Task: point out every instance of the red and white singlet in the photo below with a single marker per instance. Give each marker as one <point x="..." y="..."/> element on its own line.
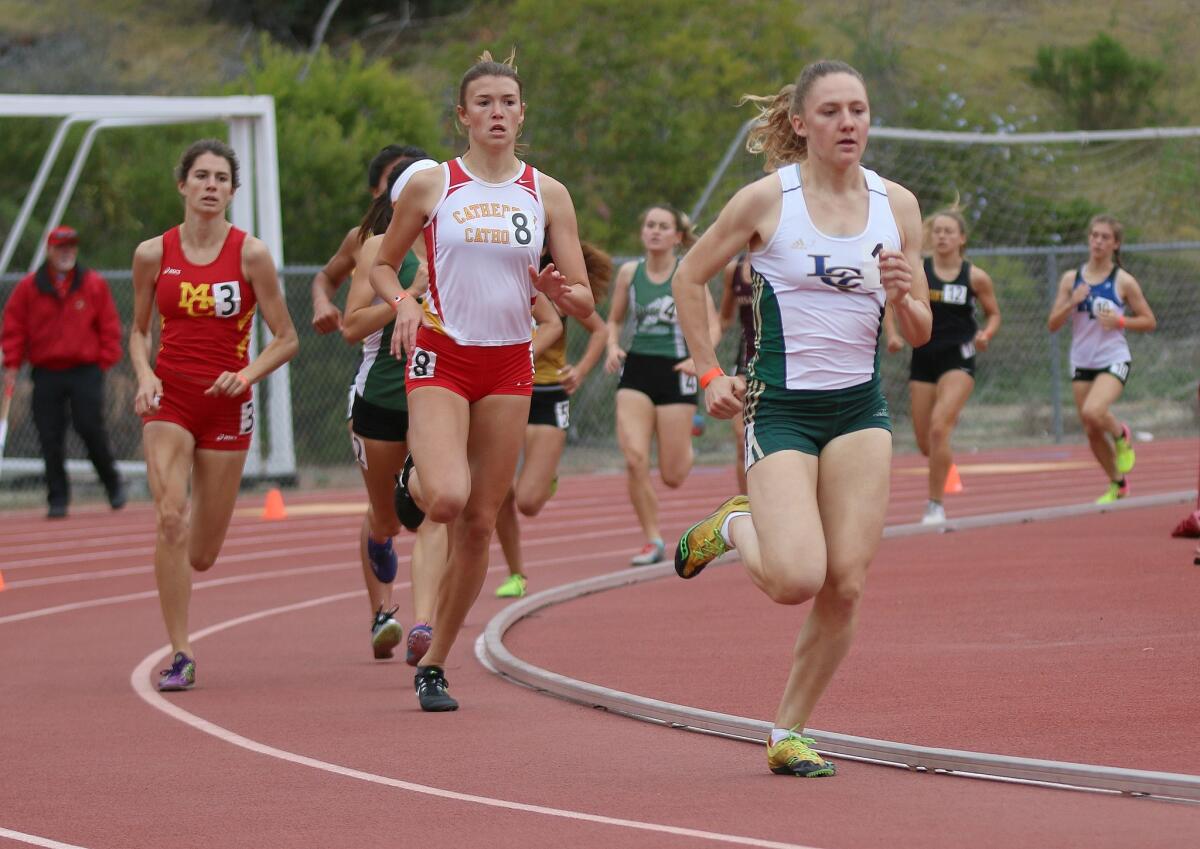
<point x="206" y="309"/>
<point x="481" y="239"/>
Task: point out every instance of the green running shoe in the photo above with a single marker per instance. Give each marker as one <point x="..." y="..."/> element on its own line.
<point x="1115" y="492"/>
<point x="702" y="543"/>
<point x="513" y="587"/>
<point x="1125" y="453"/>
<point x="793" y="755"/>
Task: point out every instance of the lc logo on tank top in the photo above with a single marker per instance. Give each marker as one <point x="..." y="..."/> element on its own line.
<point x="847" y="278"/>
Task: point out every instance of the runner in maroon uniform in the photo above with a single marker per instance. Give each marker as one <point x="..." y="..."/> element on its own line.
<point x="206" y="278"/>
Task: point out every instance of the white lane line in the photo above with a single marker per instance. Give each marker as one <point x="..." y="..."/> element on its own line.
<point x="199" y="585"/>
<point x="35" y="840"/>
<point x="139" y="679"/>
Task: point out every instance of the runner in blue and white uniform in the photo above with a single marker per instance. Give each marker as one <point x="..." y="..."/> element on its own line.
<point x="1102" y="300"/>
<point x="830" y="244"/>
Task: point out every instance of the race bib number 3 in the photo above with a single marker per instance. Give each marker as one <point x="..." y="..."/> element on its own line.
<point x="227" y="299"/>
<point x="562" y="414"/>
<point x="247" y="423"/>
<point x="422" y="364"/>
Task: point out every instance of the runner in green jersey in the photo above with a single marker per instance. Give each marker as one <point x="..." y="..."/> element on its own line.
<point x="657" y="392"/>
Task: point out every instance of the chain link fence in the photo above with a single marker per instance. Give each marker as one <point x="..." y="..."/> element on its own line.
<point x="1022" y="393"/>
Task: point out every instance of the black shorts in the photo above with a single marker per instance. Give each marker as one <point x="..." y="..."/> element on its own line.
<point x="929" y="365"/>
<point x="550" y="406"/>
<point x="656" y="378"/>
<point x="370" y="421"/>
<point x="1118" y="370"/>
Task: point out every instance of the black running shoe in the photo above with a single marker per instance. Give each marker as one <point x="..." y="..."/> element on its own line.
<point x="431" y="684"/>
<point x="407" y="511"/>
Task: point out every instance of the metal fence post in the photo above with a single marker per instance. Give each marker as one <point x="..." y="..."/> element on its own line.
<point x="1055" y="353"/>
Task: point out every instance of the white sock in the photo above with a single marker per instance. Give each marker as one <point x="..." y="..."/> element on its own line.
<point x="725" y="526"/>
<point x="778" y="734"/>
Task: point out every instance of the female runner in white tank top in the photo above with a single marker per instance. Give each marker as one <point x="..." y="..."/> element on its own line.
<point x="1096" y="297"/>
<point x="830" y="242"/>
<point x="470" y="371"/>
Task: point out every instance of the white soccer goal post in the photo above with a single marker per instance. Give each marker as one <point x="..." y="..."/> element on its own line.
<point x="255" y="208"/>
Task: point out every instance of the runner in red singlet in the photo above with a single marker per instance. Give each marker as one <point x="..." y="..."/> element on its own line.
<point x="470" y="370"/>
<point x="207" y="278"/>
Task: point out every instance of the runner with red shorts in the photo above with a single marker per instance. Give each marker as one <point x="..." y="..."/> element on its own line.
<point x="207" y="279"/>
<point x="470" y="369"/>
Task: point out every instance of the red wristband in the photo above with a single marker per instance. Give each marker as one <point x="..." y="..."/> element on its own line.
<point x="242" y="379"/>
<point x="1121" y="322"/>
<point x="711" y="375"/>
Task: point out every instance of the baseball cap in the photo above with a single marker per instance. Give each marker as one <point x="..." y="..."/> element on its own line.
<point x="62" y="235"/>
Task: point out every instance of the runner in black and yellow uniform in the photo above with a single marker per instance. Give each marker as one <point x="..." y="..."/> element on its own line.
<point x="554" y="380"/>
<point x="657" y="392"/>
<point x="943" y="370"/>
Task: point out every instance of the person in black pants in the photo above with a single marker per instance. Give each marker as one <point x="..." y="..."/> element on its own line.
<point x="62" y="320"/>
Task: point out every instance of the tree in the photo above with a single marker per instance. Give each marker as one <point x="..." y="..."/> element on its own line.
<point x="1100" y="85"/>
<point x="632" y="102"/>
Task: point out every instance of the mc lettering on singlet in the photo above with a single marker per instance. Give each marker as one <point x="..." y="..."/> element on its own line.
<point x="195" y="299"/>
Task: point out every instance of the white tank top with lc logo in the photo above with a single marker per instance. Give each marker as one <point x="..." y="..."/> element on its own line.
<point x="818" y="301"/>
<point x="481" y="239"/>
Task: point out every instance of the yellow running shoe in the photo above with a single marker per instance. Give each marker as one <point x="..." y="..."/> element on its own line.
<point x="513" y="587"/>
<point x="702" y="543"/>
<point x="1125" y="452"/>
<point x="1115" y="492"/>
<point x="793" y="755"/>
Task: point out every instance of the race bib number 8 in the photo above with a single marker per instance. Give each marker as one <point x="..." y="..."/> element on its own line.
<point x="227" y="299"/>
<point x="421" y="364"/>
<point x="521" y="226"/>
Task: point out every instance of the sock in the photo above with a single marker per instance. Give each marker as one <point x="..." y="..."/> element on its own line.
<point x="778" y="734"/>
<point x="725" y="526"/>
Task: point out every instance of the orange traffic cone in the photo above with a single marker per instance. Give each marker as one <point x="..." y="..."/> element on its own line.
<point x="954" y="484"/>
<point x="273" y="508"/>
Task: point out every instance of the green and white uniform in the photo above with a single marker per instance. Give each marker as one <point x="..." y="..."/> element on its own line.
<point x="818" y="313"/>
<point x="656" y="327"/>
<point x="378" y="404"/>
<point x="657" y="344"/>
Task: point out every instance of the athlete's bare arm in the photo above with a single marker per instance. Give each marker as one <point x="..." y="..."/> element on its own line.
<point x="616" y="317"/>
<point x="572" y="376"/>
<point x="985" y="293"/>
<point x="549" y="325"/>
<point x="258" y="266"/>
<point x="364" y="316"/>
<point x="564" y="281"/>
<point x="326" y="316"/>
<point x="902" y="272"/>
<point x="1142" y="318"/>
<point x="147" y="259"/>
<point x="1068" y="297"/>
<point x="412" y="210"/>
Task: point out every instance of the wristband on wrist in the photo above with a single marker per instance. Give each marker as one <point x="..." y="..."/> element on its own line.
<point x="1121" y="322"/>
<point x="242" y="379"/>
<point x="398" y="298"/>
<point x="711" y="375"/>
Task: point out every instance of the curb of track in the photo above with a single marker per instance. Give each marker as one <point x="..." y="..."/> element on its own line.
<point x="493" y="654"/>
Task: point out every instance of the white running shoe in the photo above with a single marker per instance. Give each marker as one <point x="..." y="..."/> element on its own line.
<point x="935" y="514"/>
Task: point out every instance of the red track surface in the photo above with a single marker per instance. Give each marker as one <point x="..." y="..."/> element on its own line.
<point x="1023" y="640"/>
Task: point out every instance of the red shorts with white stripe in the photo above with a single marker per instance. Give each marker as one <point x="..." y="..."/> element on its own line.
<point x="219" y="424"/>
<point x="472" y="371"/>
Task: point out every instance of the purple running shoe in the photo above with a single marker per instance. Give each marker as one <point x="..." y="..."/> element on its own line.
<point x="419" y="638"/>
<point x="181" y="675"/>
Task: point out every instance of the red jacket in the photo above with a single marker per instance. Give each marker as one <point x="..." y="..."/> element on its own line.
<point x="61" y="331"/>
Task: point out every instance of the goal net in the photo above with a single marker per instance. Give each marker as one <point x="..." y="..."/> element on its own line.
<point x="69" y="127"/>
<point x="1027" y="199"/>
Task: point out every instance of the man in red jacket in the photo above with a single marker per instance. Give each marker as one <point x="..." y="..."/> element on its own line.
<point x="62" y="320"/>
